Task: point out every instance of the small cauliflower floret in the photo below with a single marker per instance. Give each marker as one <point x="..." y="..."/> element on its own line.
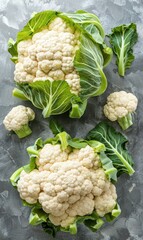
<point x="99" y="180"/>
<point x="120" y="107"/>
<point x="56" y="75"/>
<point x="74" y="82"/>
<point x="32" y="52"/>
<point x="57" y="55"/>
<point x="57" y="25"/>
<point x="41" y="74"/>
<point x="28" y="186"/>
<point x="67" y="50"/>
<point x="82" y="207"/>
<point x="67" y="64"/>
<point x="51" y="205"/>
<point x="86" y="156"/>
<point x="45" y="56"/>
<point x="49" y="55"/>
<point x="30" y="66"/>
<point x="17" y="120"/>
<point x="47" y="65"/>
<point x="106" y="202"/>
<point x="51" y="154"/>
<point x="63" y="220"/>
<point x="20" y="75"/>
<point x="38" y="36"/>
<point x="22" y="47"/>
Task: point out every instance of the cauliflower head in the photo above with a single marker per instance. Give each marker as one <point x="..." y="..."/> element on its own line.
<point x="17" y="120"/>
<point x="68" y="184"/>
<point x="60" y="61"/>
<point x="119" y="107"/>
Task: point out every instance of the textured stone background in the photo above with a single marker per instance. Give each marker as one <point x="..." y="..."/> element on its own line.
<point x="13" y="216"/>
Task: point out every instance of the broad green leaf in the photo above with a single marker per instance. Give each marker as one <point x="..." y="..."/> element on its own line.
<point x="89" y="64"/>
<point x="52" y="97"/>
<point x="122" y="40"/>
<point x="115" y="144"/>
<point x="35" y="24"/>
<point x="88" y="22"/>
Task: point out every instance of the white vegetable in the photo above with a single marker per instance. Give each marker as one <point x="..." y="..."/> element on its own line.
<point x="119" y="107"/>
<point x="17" y="120"/>
<point x="68" y="184"/>
<point x="49" y="55"/>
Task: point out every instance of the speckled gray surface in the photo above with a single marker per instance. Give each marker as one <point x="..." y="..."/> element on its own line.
<point x="13" y="216"/>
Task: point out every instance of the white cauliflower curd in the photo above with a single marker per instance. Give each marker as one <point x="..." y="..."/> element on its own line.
<point x="49" y="55"/>
<point x="68" y="184"/>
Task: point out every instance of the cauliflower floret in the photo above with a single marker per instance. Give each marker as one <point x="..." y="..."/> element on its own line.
<point x="49" y="155"/>
<point x="82" y="207"/>
<point x="57" y="55"/>
<point x="107" y="201"/>
<point x="51" y="205"/>
<point x="30" y="66"/>
<point x="49" y="55"/>
<point x="57" y="25"/>
<point x="67" y="64"/>
<point x="99" y="181"/>
<point x="86" y="156"/>
<point x="47" y="65"/>
<point x="22" y="47"/>
<point x="63" y="220"/>
<point x="74" y="82"/>
<point x="120" y="106"/>
<point x="56" y="75"/>
<point x="32" y="52"/>
<point x="20" y="75"/>
<point x="28" y="186"/>
<point x="17" y="120"/>
<point x="37" y="36"/>
<point x="45" y="56"/>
